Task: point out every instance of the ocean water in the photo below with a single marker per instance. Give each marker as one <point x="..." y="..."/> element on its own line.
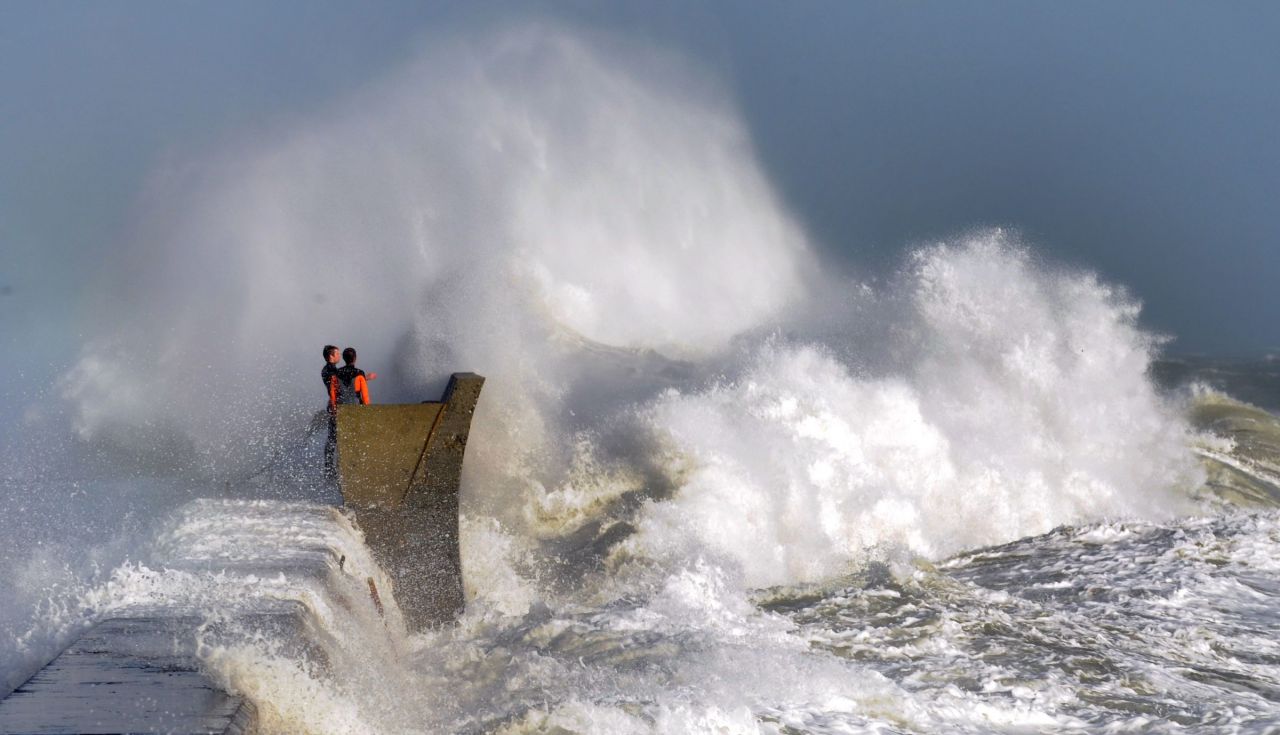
<point x="1102" y="625"/>
<point x="718" y="481"/>
<point x="754" y="620"/>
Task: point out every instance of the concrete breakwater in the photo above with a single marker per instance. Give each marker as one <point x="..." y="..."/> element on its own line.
<point x="148" y="670"/>
<point x="399" y="470"/>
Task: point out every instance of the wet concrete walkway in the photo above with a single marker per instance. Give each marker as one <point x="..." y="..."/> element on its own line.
<point x="137" y="675"/>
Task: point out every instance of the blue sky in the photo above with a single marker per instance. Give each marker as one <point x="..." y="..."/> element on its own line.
<point x="1135" y="139"/>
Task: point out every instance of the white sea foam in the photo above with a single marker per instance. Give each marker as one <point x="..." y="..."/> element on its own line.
<point x="487" y="208"/>
<point x="530" y="207"/>
<point x="695" y="657"/>
<point x="1022" y="403"/>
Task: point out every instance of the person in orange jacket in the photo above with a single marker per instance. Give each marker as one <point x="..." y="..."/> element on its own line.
<point x="349" y="383"/>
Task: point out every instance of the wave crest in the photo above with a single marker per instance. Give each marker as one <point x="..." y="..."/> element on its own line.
<point x="1021" y="403"/>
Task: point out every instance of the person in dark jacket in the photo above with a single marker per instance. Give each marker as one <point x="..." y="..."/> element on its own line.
<point x="330" y="365"/>
<point x="351" y="384"/>
<point x="328" y="375"/>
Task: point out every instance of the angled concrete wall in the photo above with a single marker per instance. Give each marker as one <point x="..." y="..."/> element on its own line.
<point x="399" y="468"/>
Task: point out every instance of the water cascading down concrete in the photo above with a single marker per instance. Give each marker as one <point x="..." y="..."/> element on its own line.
<point x="399" y="468"/>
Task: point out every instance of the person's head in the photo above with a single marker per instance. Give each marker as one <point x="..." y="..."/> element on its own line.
<point x="330" y="353"/>
<point x="349" y="355"/>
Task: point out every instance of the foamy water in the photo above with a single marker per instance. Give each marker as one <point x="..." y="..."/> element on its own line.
<point x="1117" y="626"/>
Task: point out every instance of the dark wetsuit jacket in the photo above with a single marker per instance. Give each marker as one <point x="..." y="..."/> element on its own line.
<point x="349" y="385"/>
<point x="328" y="373"/>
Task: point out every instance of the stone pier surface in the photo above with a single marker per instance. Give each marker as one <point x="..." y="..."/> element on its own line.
<point x="137" y="675"/>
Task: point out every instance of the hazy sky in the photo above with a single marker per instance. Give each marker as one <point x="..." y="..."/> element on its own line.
<point x="1136" y="139"/>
